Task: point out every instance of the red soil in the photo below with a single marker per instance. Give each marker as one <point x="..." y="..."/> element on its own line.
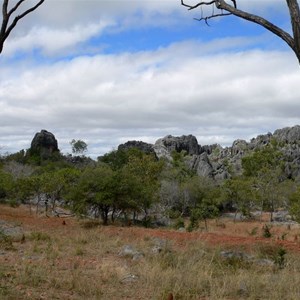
<point x="229" y="235"/>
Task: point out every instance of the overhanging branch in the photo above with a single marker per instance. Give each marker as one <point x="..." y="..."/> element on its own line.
<point x="6" y="28"/>
<point x="231" y="9"/>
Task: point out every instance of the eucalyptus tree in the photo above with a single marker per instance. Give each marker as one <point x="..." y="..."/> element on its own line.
<point x="266" y="168"/>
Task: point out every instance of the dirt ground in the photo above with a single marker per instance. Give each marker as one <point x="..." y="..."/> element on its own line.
<point x="223" y="232"/>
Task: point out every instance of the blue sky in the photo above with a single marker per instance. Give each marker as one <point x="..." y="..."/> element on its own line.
<point x="112" y="71"/>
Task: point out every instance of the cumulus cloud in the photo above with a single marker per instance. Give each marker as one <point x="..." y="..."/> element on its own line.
<point x="218" y="90"/>
<point x="180" y="89"/>
<point x="51" y="41"/>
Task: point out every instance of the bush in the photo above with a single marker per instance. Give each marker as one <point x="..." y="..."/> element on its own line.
<point x="179" y="223"/>
<point x="266" y="231"/>
<point x="5" y="242"/>
<point x="39" y="236"/>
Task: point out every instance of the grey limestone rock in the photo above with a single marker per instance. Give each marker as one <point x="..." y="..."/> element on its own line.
<point x="170" y="143"/>
<point x="201" y="164"/>
<point x="129" y="251"/>
<point x="220" y="163"/>
<point x="288" y="134"/>
<point x="11" y="230"/>
<point x="44" y="143"/>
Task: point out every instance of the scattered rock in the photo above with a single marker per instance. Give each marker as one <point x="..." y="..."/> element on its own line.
<point x="281" y="216"/>
<point x="264" y="262"/>
<point x="11" y="230"/>
<point x="129" y="278"/>
<point x="247" y="258"/>
<point x="129" y="251"/>
<point x="237" y="255"/>
<point x="159" y="245"/>
<point x="243" y="290"/>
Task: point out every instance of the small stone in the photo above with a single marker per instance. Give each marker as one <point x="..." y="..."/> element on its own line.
<point x="129" y="278"/>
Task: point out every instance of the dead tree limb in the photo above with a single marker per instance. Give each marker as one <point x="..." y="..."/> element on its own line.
<point x="10" y="20"/>
<point x="230" y="6"/>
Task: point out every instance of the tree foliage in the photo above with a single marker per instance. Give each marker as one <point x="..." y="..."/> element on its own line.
<point x="136" y="187"/>
<point x="78" y="146"/>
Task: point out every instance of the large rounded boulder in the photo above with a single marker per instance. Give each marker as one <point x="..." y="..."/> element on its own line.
<point x="44" y="144"/>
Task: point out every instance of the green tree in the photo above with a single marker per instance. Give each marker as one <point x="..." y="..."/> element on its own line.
<point x="78" y="147"/>
<point x="117" y="159"/>
<point x="173" y="195"/>
<point x="6" y="184"/>
<point x="294" y="203"/>
<point x="58" y="182"/>
<point x="144" y="171"/>
<point x="239" y="193"/>
<point x="203" y="197"/>
<point x="265" y="167"/>
<point x="95" y="192"/>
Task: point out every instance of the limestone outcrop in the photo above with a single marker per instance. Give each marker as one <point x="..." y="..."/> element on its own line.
<point x="220" y="162"/>
<point x="44" y="144"/>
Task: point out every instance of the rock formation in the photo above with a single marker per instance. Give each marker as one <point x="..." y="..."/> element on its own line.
<point x="168" y="144"/>
<point x="44" y="144"/>
<point x="220" y="162"/>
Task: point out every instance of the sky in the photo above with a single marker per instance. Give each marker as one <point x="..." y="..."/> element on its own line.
<point x="110" y="71"/>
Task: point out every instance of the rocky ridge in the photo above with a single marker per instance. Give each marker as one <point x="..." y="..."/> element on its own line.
<point x="220" y="162"/>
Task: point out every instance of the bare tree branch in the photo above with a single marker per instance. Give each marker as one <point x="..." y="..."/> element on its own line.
<point x="292" y="41"/>
<point x="205" y="19"/>
<point x="6" y="26"/>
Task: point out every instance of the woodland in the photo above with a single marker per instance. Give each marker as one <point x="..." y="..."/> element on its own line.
<point x="135" y="187"/>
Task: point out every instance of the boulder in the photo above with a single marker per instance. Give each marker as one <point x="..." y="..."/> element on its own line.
<point x="44" y="143"/>
<point x="170" y="143"/>
<point x="131" y="252"/>
<point x="201" y="164"/>
<point x="11" y="230"/>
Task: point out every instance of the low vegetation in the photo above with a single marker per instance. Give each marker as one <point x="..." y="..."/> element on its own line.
<point x="73" y="260"/>
<point x="78" y="215"/>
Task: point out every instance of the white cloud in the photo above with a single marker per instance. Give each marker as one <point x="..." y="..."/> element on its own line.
<point x="51" y="40"/>
<point x="181" y="89"/>
<point x="208" y="89"/>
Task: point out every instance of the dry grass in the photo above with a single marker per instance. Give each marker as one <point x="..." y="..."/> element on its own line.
<point x="76" y="261"/>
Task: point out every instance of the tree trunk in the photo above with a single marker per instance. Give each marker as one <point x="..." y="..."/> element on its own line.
<point x="205" y="223"/>
<point x="295" y="21"/>
<point x="113" y="215"/>
<point x="104" y="215"/>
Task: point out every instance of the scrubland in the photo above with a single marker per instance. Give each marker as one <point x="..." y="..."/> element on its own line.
<point x="81" y="259"/>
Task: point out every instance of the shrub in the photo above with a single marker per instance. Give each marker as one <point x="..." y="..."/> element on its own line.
<point x="179" y="223"/>
<point x="266" y="231"/>
<point x="5" y="242"/>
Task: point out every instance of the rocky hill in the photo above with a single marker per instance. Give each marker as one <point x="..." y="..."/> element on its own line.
<point x="218" y="162"/>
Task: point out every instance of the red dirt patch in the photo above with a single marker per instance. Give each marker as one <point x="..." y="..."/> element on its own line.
<point x="230" y="234"/>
